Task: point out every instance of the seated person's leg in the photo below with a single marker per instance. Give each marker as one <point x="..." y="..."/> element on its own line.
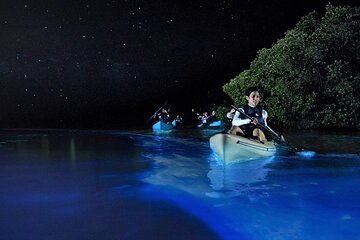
<point x="235" y="130"/>
<point x="260" y="134"/>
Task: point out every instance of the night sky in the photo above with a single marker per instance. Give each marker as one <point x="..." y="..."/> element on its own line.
<point x="110" y="64"/>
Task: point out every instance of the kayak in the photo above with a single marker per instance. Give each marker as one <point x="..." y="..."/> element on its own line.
<point x="213" y="125"/>
<point x="160" y="125"/>
<point x="231" y="148"/>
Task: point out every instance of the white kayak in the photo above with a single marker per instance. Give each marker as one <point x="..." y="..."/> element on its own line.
<point x="231" y="148"/>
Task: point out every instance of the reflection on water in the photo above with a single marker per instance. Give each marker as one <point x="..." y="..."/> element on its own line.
<point x="72" y="147"/>
<point x="140" y="185"/>
<point x="237" y="179"/>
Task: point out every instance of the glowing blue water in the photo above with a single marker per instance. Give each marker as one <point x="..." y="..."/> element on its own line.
<point x="106" y="185"/>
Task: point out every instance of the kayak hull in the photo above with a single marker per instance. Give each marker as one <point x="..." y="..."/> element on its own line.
<point x="160" y="125"/>
<point x="231" y="148"/>
<point x="214" y="125"/>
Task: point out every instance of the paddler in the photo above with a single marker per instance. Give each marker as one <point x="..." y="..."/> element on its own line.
<point x="243" y="125"/>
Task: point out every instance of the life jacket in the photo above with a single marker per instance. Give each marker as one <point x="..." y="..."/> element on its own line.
<point x="255" y="112"/>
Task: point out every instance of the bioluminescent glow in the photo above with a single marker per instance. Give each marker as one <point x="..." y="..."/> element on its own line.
<point x="306" y="154"/>
<point x="169" y="186"/>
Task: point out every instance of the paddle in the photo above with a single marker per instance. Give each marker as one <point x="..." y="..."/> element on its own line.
<point x="157" y="111"/>
<point x="300" y="152"/>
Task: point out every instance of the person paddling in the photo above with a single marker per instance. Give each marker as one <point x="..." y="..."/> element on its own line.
<point x="242" y="125"/>
<point x="164" y="115"/>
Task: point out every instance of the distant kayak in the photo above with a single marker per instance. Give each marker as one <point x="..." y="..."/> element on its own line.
<point x="160" y="125"/>
<point x="214" y="125"/>
<point x="231" y="148"/>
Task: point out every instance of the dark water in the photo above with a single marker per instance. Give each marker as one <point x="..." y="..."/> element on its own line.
<point x="144" y="185"/>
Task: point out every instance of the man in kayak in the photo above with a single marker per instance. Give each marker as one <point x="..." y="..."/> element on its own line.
<point x="204" y="118"/>
<point x="244" y="126"/>
<point x="212" y="117"/>
<point x="164" y="115"/>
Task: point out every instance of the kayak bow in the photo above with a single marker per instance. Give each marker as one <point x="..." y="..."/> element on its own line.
<point x="231" y="148"/>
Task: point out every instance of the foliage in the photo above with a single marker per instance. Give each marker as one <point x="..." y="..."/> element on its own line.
<point x="221" y="115"/>
<point x="310" y="78"/>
